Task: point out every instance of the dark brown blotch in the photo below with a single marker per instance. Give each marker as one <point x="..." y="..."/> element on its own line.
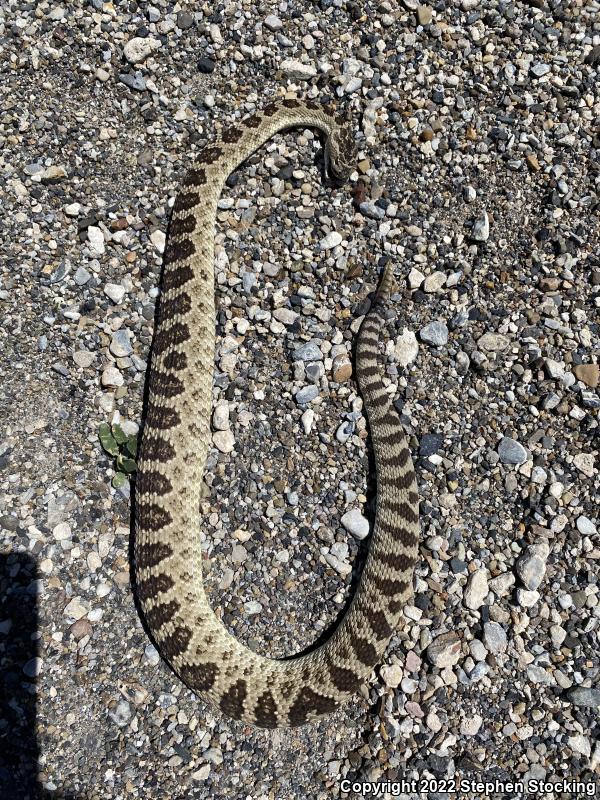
<point x="175" y="360"/>
<point x="232" y="135"/>
<point x="153" y="586"/>
<point x="178" y="251"/>
<point x="156" y="448"/>
<point x="289" y="102"/>
<point x="342" y="678"/>
<point x="252" y="122"/>
<point x="404" y="510"/>
<point x="161" y="418"/>
<point x="199" y="677"/>
<point x="270" y="110"/>
<point x="173" y="336"/>
<point x="232" y="701"/>
<point x="152" y="482"/>
<point x="182" y="225"/>
<point x="390" y="587"/>
<point x="176" y="643"/>
<point x="166" y="386"/>
<point x="394" y="607"/>
<point x="390" y="420"/>
<point x="365" y="652"/>
<point x="379" y="625"/>
<point x="195" y="177"/>
<point x="265" y="711"/>
<point x="400" y="561"/>
<point x="210" y="154"/>
<point x="150" y="555"/>
<point x="309" y="703"/>
<point x="151" y="517"/>
<point x="180" y="304"/>
<point x="187" y="200"/>
<point x="176" y="277"/>
<point x="161" y="613"/>
<point x="407" y="479"/>
<point x="369" y="371"/>
<point x="377" y="399"/>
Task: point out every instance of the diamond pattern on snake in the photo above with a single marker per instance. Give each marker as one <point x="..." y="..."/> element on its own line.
<point x="168" y="567"/>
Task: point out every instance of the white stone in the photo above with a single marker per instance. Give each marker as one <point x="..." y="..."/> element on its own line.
<point x="297" y="70"/>
<point x="138" y="48"/>
<point x="476" y="589"/>
<point x="158" y="239"/>
<point x="75" y="609"/>
<point x="61" y="531"/>
<point x="531" y="568"/>
<point x="115" y="292"/>
<point x="83" y="358"/>
<point x="415" y="278"/>
<point x="112" y="377"/>
<point x="555" y="369"/>
<point x="470" y="725"/>
<point x="584" y="463"/>
<point x="433" y="722"/>
<point x="434" y="282"/>
<point x="585" y="526"/>
<point x="580" y="744"/>
<point x="221" y="416"/>
<point x="202" y="773"/>
<point x="391" y="675"/>
<point x="307" y="420"/>
<point x="481" y="228"/>
<point x="93" y="561"/>
<point x="285" y="316"/>
<point x="406" y="348"/>
<point x="224" y="441"/>
<point x="502" y="583"/>
<point x="493" y="342"/>
<point x="72" y="210"/>
<point x="273" y="23"/>
<point x="494" y="637"/>
<point x="526" y="598"/>
<point x="355" y="523"/>
<point x="342" y="567"/>
<point x="331" y="240"/>
<point x="120" y="343"/>
<point x="96" y="240"/>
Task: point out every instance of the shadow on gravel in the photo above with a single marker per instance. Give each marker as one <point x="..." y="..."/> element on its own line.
<point x="19" y="748"/>
<point x="18" y="648"/>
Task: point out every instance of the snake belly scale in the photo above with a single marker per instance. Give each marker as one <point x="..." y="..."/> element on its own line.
<point x="245" y="685"/>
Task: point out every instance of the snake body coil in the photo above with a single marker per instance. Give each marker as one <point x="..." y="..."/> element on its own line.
<point x="176" y="437"/>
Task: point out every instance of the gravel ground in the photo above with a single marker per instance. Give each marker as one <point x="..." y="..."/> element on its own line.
<point x="478" y="177"/>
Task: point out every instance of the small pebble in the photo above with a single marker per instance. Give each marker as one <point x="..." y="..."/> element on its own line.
<point x="435" y="333"/>
<point x="511" y="452"/>
<point x="481" y="228"/>
<point x="355" y="523"/>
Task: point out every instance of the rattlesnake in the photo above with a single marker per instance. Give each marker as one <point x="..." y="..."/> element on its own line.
<point x="176" y="437"/>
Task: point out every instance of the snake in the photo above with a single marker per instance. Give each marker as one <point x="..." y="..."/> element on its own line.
<point x="176" y="436"/>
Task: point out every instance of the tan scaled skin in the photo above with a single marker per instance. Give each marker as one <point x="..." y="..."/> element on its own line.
<point x="176" y="437"/>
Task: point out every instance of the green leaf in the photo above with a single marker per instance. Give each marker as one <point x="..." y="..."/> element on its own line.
<point x="119" y="480"/>
<point x="126" y="464"/>
<point x="120" y="436"/>
<point x="131" y="445"/>
<point x="107" y="440"/>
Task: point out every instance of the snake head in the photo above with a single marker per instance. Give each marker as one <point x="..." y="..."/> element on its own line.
<point x="340" y="153"/>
